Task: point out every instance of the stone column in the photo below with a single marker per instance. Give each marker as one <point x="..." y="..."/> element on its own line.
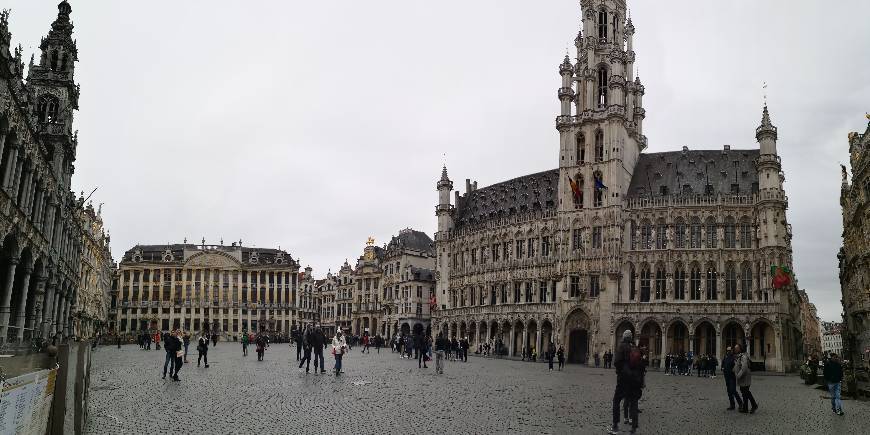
<point x="663" y="351"/>
<point x="512" y="340"/>
<point x="525" y="338"/>
<point x="48" y="312"/>
<point x="34" y="316"/>
<point x="6" y="297"/>
<point x="719" y="345"/>
<point x="64" y="318"/>
<point x="692" y="343"/>
<point x="9" y="170"/>
<point x="538" y="347"/>
<point x="16" y="180"/>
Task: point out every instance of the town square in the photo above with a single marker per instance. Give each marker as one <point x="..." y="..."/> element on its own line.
<point x="593" y="216"/>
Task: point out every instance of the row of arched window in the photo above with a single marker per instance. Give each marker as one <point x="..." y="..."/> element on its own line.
<point x="516" y="292"/>
<point x="695" y="284"/>
<point x="580" y="147"/>
<point x="692" y="234"/>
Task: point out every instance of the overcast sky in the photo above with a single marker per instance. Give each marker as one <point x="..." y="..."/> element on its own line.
<point x="313" y="125"/>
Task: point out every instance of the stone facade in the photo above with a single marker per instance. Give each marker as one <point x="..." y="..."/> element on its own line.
<point x="97" y="271"/>
<point x="812" y="326"/>
<point x="409" y="282"/>
<point x="676" y="246"/>
<point x="41" y="222"/>
<point x="366" y="313"/>
<point x="325" y="293"/>
<point x="216" y="288"/>
<point x="855" y="254"/>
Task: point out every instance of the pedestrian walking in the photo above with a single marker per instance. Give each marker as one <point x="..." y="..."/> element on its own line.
<point x="118" y="339"/>
<point x="306" y="351"/>
<point x="202" y="348"/>
<point x="628" y="361"/>
<point x="551" y="353"/>
<point x="339" y="347"/>
<point x="318" y="341"/>
<point x="213" y="340"/>
<point x="730" y="379"/>
<point x="833" y="373"/>
<point x="185" y="340"/>
<point x="297" y="338"/>
<point x="245" y="344"/>
<point x="441" y="345"/>
<point x="561" y="355"/>
<point x="744" y="379"/>
<point x="179" y="353"/>
<point x="261" y="346"/>
<point x="170" y="346"/>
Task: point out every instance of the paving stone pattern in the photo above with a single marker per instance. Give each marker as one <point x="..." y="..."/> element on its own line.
<point x="383" y="394"/>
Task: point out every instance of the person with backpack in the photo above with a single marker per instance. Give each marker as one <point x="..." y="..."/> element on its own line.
<point x="744" y="379"/>
<point x="628" y="361"/>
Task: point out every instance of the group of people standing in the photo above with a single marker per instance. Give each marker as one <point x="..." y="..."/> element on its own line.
<point x="608" y="359"/>
<point x="683" y="364"/>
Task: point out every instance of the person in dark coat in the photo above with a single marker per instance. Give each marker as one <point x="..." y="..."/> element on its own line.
<point x="318" y="342"/>
<point x="628" y="362"/>
<point x="297" y="336"/>
<point x="561" y="356"/>
<point x="730" y="379"/>
<point x="743" y="374"/>
<point x="170" y="346"/>
<point x="551" y="353"/>
<point x="307" y="338"/>
<point x="202" y="348"/>
<point x="833" y="372"/>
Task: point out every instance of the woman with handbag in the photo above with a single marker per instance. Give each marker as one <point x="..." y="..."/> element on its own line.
<point x="339" y="347"/>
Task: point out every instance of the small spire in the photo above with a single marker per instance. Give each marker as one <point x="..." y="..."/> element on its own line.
<point x="766" y="129"/>
<point x="444" y="173"/>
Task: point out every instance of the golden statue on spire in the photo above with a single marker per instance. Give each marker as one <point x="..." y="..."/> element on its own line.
<point x="370" y="241"/>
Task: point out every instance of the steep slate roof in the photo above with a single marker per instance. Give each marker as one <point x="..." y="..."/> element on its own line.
<point x="420" y="274"/>
<point x="519" y="195"/>
<point x="155" y="252"/>
<point x="688" y="171"/>
<point x="412" y="240"/>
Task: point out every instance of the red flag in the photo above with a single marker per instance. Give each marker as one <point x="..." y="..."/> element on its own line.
<point x="433" y="302"/>
<point x="575" y="188"/>
<point x="781" y="276"/>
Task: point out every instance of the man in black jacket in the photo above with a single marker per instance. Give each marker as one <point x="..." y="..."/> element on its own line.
<point x="418" y="349"/>
<point x="730" y="379"/>
<point x="833" y="377"/>
<point x="628" y="362"/>
<point x="168" y="344"/>
<point x="318" y="341"/>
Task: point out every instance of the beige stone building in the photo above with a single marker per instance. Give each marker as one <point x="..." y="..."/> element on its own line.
<point x="216" y="288"/>
<point x="675" y="245"/>
<point x="344" y="298"/>
<point x="41" y="225"/>
<point x="854" y="256"/>
<point x="307" y="306"/>
<point x="325" y="292"/>
<point x="366" y="313"/>
<point x="408" y="282"/>
<point x="96" y="273"/>
<point x="811" y="326"/>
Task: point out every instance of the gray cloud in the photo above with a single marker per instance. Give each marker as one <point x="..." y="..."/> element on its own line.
<point x="312" y="125"/>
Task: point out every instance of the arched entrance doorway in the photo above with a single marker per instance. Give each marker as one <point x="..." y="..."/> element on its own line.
<point x="732" y="334"/>
<point x="472" y="334"/>
<point x="651" y="339"/>
<point x="546" y="335"/>
<point x="418" y="328"/>
<point x="576" y="328"/>
<point x="761" y="344"/>
<point x="678" y="338"/>
<point x="705" y="339"/>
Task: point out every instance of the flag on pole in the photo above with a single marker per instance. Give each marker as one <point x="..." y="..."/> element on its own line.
<point x="599" y="184"/>
<point x="781" y="276"/>
<point x="575" y="188"/>
<point x="433" y="303"/>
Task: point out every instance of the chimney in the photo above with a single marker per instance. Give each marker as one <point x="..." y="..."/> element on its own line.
<point x="474" y="185"/>
<point x="467" y="186"/>
<point x="727" y="147"/>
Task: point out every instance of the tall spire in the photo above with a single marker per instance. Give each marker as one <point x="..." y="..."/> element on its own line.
<point x="444" y="173"/>
<point x="766" y="129"/>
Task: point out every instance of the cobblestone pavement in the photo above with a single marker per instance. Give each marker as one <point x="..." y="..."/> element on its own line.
<point x="382" y="393"/>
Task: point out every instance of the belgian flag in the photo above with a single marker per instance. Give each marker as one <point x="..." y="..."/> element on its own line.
<point x="781" y="276"/>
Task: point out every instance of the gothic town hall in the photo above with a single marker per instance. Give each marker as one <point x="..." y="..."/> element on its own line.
<point x="676" y="246"/>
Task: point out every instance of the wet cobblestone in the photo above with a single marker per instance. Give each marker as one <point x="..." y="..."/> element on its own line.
<point x="382" y="393"/>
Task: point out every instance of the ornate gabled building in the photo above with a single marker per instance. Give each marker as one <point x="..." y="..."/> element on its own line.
<point x="344" y="298"/>
<point x="326" y="289"/>
<point x="409" y="281"/>
<point x="40" y="219"/>
<point x="306" y="307"/>
<point x="219" y="289"/>
<point x="676" y="246"/>
<point x="854" y="256"/>
<point x="367" y="313"/>
<point x="811" y="326"/>
<point x="97" y="271"/>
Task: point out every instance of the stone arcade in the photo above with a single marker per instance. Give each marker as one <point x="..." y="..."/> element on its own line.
<point x="675" y="246"/>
